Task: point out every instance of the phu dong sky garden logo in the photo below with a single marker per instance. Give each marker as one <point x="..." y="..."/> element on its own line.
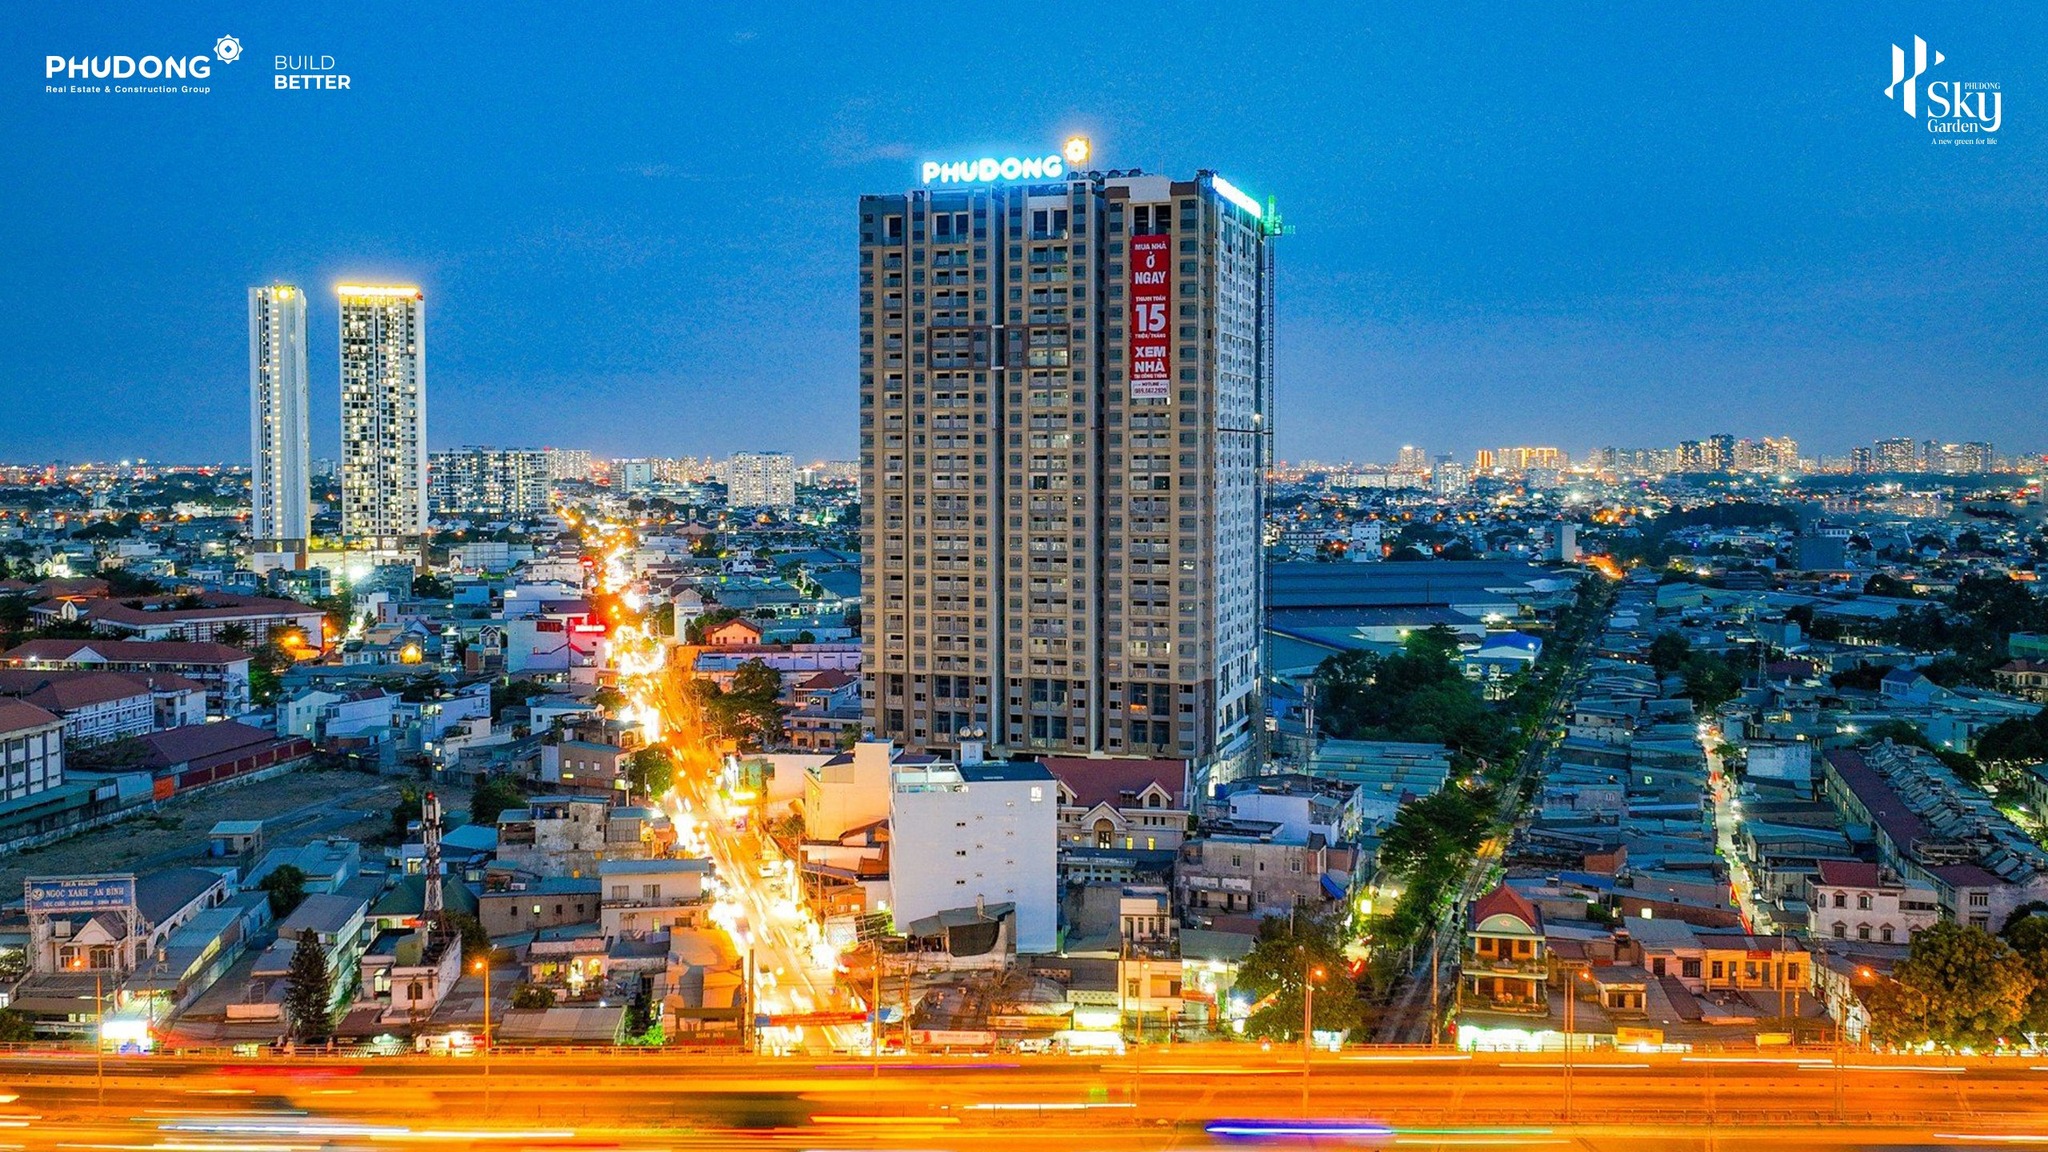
<point x="1953" y="107"/>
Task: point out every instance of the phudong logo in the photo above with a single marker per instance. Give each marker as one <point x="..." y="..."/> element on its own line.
<point x="152" y="74"/>
<point x="1953" y="106"/>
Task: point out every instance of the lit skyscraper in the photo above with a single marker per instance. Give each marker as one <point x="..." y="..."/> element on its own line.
<point x="760" y="480"/>
<point x="383" y="416"/>
<point x="279" y="456"/>
<point x="1065" y="421"/>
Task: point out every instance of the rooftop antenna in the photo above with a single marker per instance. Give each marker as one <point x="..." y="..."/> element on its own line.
<point x="432" y="914"/>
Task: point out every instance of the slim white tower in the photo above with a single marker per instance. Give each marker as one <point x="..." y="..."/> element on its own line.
<point x="383" y="415"/>
<point x="279" y="521"/>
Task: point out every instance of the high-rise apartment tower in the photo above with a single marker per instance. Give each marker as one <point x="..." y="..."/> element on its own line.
<point x="1065" y="402"/>
<point x="279" y="456"/>
<point x="383" y="416"/>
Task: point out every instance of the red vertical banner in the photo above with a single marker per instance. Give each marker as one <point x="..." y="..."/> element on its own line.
<point x="1151" y="367"/>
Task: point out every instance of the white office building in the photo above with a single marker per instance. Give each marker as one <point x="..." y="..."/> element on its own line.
<point x="279" y="458"/>
<point x="383" y="416"/>
<point x="760" y="480"/>
<point x="976" y="833"/>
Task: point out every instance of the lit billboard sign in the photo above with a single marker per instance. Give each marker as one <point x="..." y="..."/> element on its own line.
<point x="1151" y="367"/>
<point x="989" y="169"/>
<point x="80" y="894"/>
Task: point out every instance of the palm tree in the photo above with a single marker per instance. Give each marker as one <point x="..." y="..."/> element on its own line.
<point x="233" y="635"/>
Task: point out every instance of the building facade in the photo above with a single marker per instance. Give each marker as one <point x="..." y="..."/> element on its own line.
<point x="505" y="482"/>
<point x="976" y="834"/>
<point x="760" y="480"/>
<point x="32" y="744"/>
<point x="1065" y="413"/>
<point x="383" y="415"/>
<point x="279" y="457"/>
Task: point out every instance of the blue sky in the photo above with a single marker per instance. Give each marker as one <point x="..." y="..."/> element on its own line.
<point x="1566" y="224"/>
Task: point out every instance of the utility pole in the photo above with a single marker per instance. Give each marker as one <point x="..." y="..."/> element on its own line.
<point x="1435" y="972"/>
<point x="1309" y="975"/>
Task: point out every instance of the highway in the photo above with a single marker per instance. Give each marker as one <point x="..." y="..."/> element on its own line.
<point x="1198" y="1096"/>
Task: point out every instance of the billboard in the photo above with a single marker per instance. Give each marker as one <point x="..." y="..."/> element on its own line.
<point x="79" y="894"/>
<point x="1151" y="376"/>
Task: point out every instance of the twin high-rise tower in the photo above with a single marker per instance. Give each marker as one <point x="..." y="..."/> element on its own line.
<point x="280" y="521"/>
<point x="1065" y="411"/>
<point x="383" y="420"/>
<point x="383" y="416"/>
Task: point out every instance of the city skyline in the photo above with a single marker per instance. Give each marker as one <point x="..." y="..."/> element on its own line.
<point x="1680" y="265"/>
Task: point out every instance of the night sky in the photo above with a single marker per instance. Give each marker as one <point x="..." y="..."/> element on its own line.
<point x="1516" y="223"/>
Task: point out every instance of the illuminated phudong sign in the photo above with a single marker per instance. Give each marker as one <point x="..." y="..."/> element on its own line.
<point x="988" y="169"/>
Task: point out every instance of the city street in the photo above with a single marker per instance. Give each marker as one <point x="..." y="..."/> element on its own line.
<point x="794" y="971"/>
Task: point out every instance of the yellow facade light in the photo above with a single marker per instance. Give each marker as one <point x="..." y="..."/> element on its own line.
<point x="378" y="290"/>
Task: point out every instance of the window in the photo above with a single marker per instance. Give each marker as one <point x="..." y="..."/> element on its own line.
<point x="1841" y="930"/>
<point x="1863" y="931"/>
<point x="1689" y="968"/>
<point x="1841" y="899"/>
<point x="1863" y="901"/>
<point x="1885" y="933"/>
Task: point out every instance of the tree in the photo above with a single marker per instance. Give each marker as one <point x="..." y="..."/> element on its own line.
<point x="2027" y="931"/>
<point x="1288" y="952"/>
<point x="476" y="943"/>
<point x="426" y="586"/>
<point x="233" y="635"/>
<point x="607" y="700"/>
<point x="492" y="798"/>
<point x="1958" y="987"/>
<point x="15" y="1028"/>
<point x="286" y="887"/>
<point x="308" y="990"/>
<point x="533" y="996"/>
<point x="407" y="810"/>
<point x="651" y="771"/>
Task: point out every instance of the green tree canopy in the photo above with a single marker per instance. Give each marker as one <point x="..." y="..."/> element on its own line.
<point x="286" y="887"/>
<point x="492" y="798"/>
<point x="1959" y="987"/>
<point x="308" y="990"/>
<point x="1290" y="953"/>
<point x="651" y="771"/>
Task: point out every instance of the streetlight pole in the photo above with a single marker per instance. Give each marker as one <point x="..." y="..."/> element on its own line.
<point x="1571" y="994"/>
<point x="99" y="1037"/>
<point x="1309" y="976"/>
<point x="483" y="965"/>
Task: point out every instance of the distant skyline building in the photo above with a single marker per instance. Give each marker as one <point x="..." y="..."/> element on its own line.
<point x="509" y="482"/>
<point x="1065" y="420"/>
<point x="280" y="453"/>
<point x="1896" y="455"/>
<point x="383" y="415"/>
<point x="760" y="480"/>
<point x="568" y="464"/>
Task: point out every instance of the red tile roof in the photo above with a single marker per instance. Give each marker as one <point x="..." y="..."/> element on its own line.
<point x="128" y="651"/>
<point x="1848" y="873"/>
<point x="18" y="715"/>
<point x="1504" y="899"/>
<point x="195" y="741"/>
<point x="828" y="680"/>
<point x="1107" y="780"/>
<point x="69" y="691"/>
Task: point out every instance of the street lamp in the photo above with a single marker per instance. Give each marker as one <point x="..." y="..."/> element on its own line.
<point x="1310" y="976"/>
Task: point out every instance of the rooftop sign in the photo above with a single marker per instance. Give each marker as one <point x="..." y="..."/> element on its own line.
<point x="989" y="169"/>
